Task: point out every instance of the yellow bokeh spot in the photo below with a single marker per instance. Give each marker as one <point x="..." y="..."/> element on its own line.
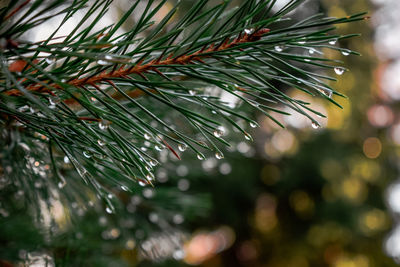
<point x="357" y="261"/>
<point x="372" y="147"/>
<point x="330" y="232"/>
<point x="265" y="218"/>
<point x="336" y="11"/>
<point x="265" y="221"/>
<point x="354" y="190"/>
<point x="302" y="203"/>
<point x="366" y="169"/>
<point x="284" y="141"/>
<point x="347" y="83"/>
<point x="336" y="115"/>
<point x="130" y="244"/>
<point x="373" y="221"/>
<point x="271" y="151"/>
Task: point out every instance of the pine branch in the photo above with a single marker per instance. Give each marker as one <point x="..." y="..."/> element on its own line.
<point x="110" y="103"/>
<point x="140" y="68"/>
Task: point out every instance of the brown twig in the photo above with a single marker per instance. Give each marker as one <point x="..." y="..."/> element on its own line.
<point x="18" y="8"/>
<point x="141" y="69"/>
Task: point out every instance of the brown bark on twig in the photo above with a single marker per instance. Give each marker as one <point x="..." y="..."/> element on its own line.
<point x="153" y="65"/>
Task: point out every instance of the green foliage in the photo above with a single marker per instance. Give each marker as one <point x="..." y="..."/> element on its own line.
<point x="100" y="105"/>
<point x="92" y="97"/>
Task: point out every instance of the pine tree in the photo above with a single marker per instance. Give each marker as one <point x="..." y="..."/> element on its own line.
<point x="87" y="116"/>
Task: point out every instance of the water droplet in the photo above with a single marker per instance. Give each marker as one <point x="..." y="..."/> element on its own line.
<point x="248" y="137"/>
<point x="66" y="160"/>
<point x="87" y="154"/>
<point x="109" y="57"/>
<point x="124" y="187"/>
<point x="200" y="156"/>
<point x="101" y="142"/>
<point x="315" y="125"/>
<point x="218" y="132"/>
<point x="147" y="144"/>
<point x="23" y="108"/>
<point x="24" y="147"/>
<point x="142" y="183"/>
<point x="333" y="42"/>
<point x="104" y="124"/>
<point x="307" y="60"/>
<point x="278" y="48"/>
<point x="103" y="62"/>
<point x="150" y="176"/>
<point x="327" y="92"/>
<point x="93" y="99"/>
<point x="49" y="60"/>
<point x="192" y="92"/>
<point x="54" y="100"/>
<point x="219" y="155"/>
<point x="159" y="147"/>
<point x="339" y="70"/>
<point x="109" y="210"/>
<point x="153" y="163"/>
<point x="182" y="147"/>
<point x="249" y="31"/>
<point x="61" y="184"/>
<point x="345" y="53"/>
<point x="110" y="196"/>
<point x="301" y="42"/>
<point x="147" y="136"/>
<point x="179" y="254"/>
<point x="311" y="51"/>
<point x="253" y="124"/>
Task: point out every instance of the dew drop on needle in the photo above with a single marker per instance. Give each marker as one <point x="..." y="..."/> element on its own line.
<point x="182" y="147"/>
<point x="339" y="70"/>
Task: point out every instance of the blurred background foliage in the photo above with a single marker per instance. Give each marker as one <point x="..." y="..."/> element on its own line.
<point x="298" y="197"/>
<point x="313" y="197"/>
<point x="310" y="197"/>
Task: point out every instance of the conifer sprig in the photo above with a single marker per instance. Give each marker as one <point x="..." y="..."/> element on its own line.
<point x="109" y="101"/>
